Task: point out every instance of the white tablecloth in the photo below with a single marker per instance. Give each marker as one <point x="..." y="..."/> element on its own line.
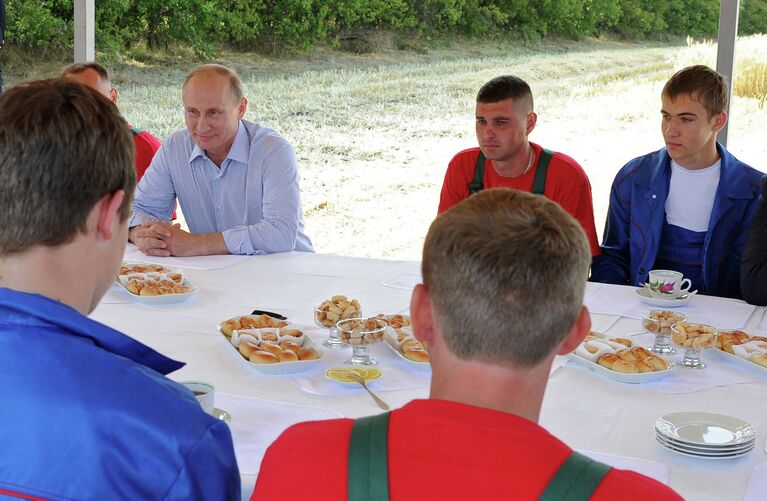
<point x="584" y="409"/>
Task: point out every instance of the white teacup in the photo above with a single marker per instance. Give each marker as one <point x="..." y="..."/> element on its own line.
<point x="205" y="393"/>
<point x="668" y="283"/>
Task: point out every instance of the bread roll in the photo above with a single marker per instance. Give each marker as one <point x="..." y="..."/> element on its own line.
<point x="247" y="348"/>
<point x="288" y="345"/>
<point x="287" y="356"/>
<point x="263" y="357"/>
<point x="656" y="362"/>
<point x="417" y="355"/>
<point x="608" y="360"/>
<point x="623" y="341"/>
<point x="759" y="358"/>
<point x="229" y="326"/>
<point x="641" y="353"/>
<point x="412" y="344"/>
<point x="308" y="354"/>
<point x="271" y="348"/>
<point x="643" y="366"/>
<point x="624" y="366"/>
<point x="627" y="355"/>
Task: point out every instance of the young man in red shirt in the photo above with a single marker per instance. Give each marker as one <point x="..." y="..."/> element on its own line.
<point x="96" y="77"/>
<point x="492" y="332"/>
<point x="505" y="157"/>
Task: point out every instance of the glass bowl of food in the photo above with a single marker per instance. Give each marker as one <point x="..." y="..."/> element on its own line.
<point x="659" y="322"/>
<point x="360" y="333"/>
<point x="694" y="338"/>
<point x="329" y="312"/>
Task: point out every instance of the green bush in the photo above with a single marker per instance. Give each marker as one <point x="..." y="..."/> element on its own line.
<point x="298" y="24"/>
<point x="39" y="24"/>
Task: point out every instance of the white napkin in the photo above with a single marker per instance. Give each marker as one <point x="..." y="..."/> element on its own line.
<point x="757" y="484"/>
<point x="397" y="374"/>
<point x="256" y="423"/>
<point x="722" y="313"/>
<point x="718" y="372"/>
<point x="652" y="469"/>
<point x="132" y="253"/>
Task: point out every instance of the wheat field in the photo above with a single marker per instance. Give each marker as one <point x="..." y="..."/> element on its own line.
<point x="374" y="133"/>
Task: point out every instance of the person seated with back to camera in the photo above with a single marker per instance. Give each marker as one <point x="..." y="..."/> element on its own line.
<point x="87" y="411"/>
<point x="685" y="207"/>
<point x="236" y="181"/>
<point x="492" y="339"/>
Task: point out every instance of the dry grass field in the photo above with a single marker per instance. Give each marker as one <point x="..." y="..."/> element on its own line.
<point x="374" y="133"/>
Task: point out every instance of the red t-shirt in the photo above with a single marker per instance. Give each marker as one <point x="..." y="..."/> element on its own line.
<point x="437" y="450"/>
<point x="146" y="146"/>
<point x="566" y="183"/>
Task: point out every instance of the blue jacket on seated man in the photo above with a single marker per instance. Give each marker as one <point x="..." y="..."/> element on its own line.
<point x="636" y="218"/>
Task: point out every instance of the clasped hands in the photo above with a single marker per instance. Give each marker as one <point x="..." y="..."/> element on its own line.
<point x="158" y="238"/>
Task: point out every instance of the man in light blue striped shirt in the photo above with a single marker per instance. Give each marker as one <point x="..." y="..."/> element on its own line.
<point x="236" y="182"/>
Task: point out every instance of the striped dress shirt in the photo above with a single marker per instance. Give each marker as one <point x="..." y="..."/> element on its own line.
<point x="253" y="199"/>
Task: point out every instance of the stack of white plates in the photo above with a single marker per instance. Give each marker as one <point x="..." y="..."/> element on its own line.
<point x="705" y="435"/>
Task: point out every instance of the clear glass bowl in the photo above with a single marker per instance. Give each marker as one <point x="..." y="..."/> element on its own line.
<point x="694" y="338"/>
<point x="324" y="317"/>
<point x="360" y="333"/>
<point x="659" y="322"/>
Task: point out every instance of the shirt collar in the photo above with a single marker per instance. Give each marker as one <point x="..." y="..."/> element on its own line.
<point x="34" y="308"/>
<point x="239" y="151"/>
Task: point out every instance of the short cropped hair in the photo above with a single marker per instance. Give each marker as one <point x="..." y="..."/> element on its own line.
<point x="235" y="84"/>
<point x="63" y="147"/>
<point x="506" y="271"/>
<point x="77" y="68"/>
<point x="702" y="84"/>
<point x="505" y="87"/>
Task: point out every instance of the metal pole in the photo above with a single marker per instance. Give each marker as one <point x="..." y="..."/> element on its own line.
<point x="85" y="28"/>
<point x="725" y="53"/>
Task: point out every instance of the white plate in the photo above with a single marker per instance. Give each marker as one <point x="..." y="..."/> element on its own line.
<point x="286" y="367"/>
<point x="701" y="456"/>
<point x="703" y="449"/>
<point x="646" y="297"/>
<point x="704" y="428"/>
<point x="420" y="365"/>
<point x="748" y="364"/>
<point x="163" y="298"/>
<point x="641" y="377"/>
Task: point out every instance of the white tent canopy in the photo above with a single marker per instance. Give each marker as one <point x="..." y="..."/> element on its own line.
<point x="85" y="46"/>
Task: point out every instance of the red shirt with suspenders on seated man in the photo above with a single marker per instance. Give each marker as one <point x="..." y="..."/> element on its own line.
<point x="491" y="339"/>
<point x="506" y="159"/>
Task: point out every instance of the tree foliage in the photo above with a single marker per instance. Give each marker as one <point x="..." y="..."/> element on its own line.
<point x="278" y="24"/>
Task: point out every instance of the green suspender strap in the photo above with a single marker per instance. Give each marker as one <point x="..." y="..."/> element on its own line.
<point x="576" y="479"/>
<point x="136" y="131"/>
<point x="477" y="184"/>
<point x="541" y="169"/>
<point x="368" y="469"/>
<point x="539" y="182"/>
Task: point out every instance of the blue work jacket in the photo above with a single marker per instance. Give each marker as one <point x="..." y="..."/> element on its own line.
<point x="87" y="414"/>
<point x="638" y="210"/>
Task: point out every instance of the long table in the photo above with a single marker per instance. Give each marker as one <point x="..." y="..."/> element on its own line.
<point x="586" y="410"/>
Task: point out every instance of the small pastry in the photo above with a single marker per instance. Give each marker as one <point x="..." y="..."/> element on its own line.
<point x="263" y="357"/>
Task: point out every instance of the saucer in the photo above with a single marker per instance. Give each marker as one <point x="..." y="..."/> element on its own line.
<point x="648" y="298"/>
<point x="222" y="415"/>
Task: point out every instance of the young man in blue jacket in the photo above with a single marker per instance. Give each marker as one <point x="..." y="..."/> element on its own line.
<point x="87" y="411"/>
<point x="686" y="207"/>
